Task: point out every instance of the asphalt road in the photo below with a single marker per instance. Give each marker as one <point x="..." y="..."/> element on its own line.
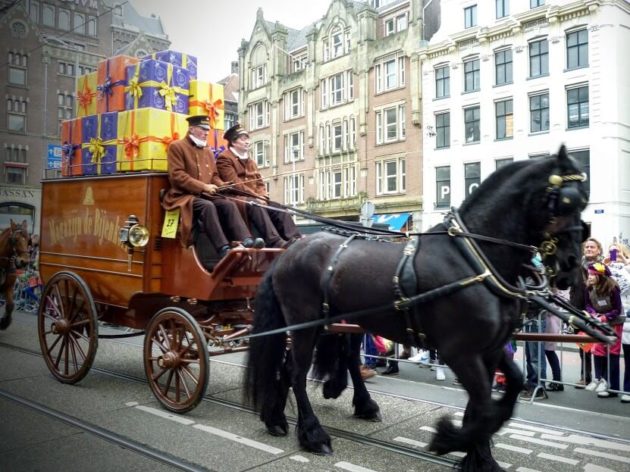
<point x="111" y="421"/>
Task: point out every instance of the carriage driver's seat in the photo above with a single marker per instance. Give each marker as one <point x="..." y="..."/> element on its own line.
<point x="207" y="255"/>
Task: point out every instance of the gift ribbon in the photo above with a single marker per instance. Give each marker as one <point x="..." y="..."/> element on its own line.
<point x="212" y="109"/>
<point x="86" y="95"/>
<point x="132" y="142"/>
<point x="167" y="91"/>
<point x="105" y="90"/>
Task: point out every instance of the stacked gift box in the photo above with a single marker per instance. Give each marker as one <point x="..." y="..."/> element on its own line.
<point x="131" y="109"/>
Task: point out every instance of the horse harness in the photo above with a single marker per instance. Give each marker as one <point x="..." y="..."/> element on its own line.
<point x="7" y="263"/>
<point x="405" y="280"/>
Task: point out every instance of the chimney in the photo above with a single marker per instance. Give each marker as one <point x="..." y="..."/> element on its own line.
<point x="234" y="69"/>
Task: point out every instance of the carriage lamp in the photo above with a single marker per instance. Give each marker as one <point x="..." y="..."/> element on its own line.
<point x="133" y="235"/>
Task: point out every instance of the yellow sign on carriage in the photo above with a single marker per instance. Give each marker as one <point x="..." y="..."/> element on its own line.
<point x="171" y="220"/>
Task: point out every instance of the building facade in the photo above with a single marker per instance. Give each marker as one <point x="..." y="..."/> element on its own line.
<point x="334" y="109"/>
<point x="45" y="45"/>
<point x="506" y="80"/>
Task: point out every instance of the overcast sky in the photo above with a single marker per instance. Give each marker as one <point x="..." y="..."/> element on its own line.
<point x="212" y="29"/>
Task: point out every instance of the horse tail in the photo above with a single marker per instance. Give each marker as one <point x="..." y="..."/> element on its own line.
<point x="331" y="363"/>
<point x="265" y="364"/>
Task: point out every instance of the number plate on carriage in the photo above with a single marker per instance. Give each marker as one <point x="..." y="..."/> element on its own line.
<point x="171" y="220"/>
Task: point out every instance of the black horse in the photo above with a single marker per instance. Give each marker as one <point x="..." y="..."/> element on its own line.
<point x="13" y="255"/>
<point x="457" y="292"/>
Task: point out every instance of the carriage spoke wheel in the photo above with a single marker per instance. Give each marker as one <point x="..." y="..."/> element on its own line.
<point x="67" y="327"/>
<point x="176" y="360"/>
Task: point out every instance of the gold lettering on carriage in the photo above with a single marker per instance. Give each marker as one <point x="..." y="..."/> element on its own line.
<point x="94" y="222"/>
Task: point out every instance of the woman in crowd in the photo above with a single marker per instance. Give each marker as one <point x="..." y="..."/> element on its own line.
<point x="603" y="300"/>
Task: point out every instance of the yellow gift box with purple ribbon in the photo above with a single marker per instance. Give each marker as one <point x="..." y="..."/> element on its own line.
<point x="99" y="143"/>
<point x="86" y="92"/>
<point x="144" y="136"/>
<point x="157" y="84"/>
<point x="207" y="99"/>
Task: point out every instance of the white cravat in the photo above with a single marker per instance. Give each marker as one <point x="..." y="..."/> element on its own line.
<point x="239" y="155"/>
<point x="198" y="142"/>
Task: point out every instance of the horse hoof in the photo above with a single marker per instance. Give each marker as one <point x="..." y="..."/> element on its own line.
<point x="323" y="450"/>
<point x="5" y="321"/>
<point x="374" y="416"/>
<point x="277" y="430"/>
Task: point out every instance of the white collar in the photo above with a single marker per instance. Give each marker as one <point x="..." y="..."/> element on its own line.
<point x="239" y="155"/>
<point x="197" y="142"/>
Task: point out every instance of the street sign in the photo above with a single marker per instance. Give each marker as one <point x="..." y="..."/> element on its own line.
<point x="54" y="156"/>
<point x="599" y="211"/>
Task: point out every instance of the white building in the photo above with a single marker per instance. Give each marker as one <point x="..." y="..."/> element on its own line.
<point x="505" y="80"/>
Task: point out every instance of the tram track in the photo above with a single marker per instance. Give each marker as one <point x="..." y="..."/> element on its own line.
<point x="334" y="432"/>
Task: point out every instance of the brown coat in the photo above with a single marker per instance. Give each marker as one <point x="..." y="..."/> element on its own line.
<point x="242" y="173"/>
<point x="190" y="168"/>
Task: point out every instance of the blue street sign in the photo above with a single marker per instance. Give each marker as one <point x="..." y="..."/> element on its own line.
<point x="599" y="211"/>
<point x="54" y="156"/>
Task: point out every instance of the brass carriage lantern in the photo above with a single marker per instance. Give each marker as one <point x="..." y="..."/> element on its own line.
<point x="133" y="235"/>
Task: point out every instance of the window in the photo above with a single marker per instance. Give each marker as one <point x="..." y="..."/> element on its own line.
<point x="65" y="105"/>
<point x="91" y="26"/>
<point x="79" y="23"/>
<point x="337" y="43"/>
<point x="504" y="119"/>
<point x="337" y="89"/>
<point x="577" y="49"/>
<point x="87" y="69"/>
<point x="471" y="124"/>
<point x="258" y="115"/>
<point x="64" y="19"/>
<point x="503" y="162"/>
<point x="470" y="16"/>
<point x="577" y="107"/>
<point x="230" y="120"/>
<point x="584" y="160"/>
<point x="16" y="114"/>
<point x="502" y="8"/>
<point x="538" y="58"/>
<point x="299" y="62"/>
<point x="18" y="64"/>
<point x="443" y="187"/>
<point x="391" y="176"/>
<point x="260" y="154"/>
<point x="337" y="137"/>
<point x="539" y="112"/>
<point x="503" y="67"/>
<point x="15" y="154"/>
<point x="66" y="68"/>
<point x="471" y="75"/>
<point x="390" y="74"/>
<point x="48" y="15"/>
<point x="338" y="182"/>
<point x="536" y="3"/>
<point x="294" y="147"/>
<point x="472" y="177"/>
<point x="390" y="124"/>
<point x="259" y="76"/>
<point x="395" y="24"/>
<point x="294" y="104"/>
<point x="15" y="175"/>
<point x="443" y="130"/>
<point x="294" y="189"/>
<point x="442" y="82"/>
<point x="33" y="11"/>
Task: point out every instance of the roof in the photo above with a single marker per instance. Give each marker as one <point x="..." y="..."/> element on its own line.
<point x="131" y="19"/>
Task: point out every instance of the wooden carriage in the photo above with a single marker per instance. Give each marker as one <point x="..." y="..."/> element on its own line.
<point x="103" y="260"/>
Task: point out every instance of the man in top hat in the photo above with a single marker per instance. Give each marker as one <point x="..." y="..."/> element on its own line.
<point x="276" y="227"/>
<point x="192" y="171"/>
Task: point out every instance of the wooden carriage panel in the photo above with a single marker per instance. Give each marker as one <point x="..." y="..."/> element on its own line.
<point x="81" y="219"/>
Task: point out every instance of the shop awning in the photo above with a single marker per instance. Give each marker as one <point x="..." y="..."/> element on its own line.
<point x="395" y="221"/>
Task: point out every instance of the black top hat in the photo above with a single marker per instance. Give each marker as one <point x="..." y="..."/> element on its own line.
<point x="234" y="132"/>
<point x="199" y="120"/>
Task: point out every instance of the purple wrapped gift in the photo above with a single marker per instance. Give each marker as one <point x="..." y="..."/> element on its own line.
<point x="157" y="84"/>
<point x="180" y="59"/>
<point x="100" y="143"/>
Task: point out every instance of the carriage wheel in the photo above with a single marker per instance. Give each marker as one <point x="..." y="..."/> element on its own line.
<point x="67" y="327"/>
<point x="176" y="360"/>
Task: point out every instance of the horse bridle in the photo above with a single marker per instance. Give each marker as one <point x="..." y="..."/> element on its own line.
<point x="8" y="262"/>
